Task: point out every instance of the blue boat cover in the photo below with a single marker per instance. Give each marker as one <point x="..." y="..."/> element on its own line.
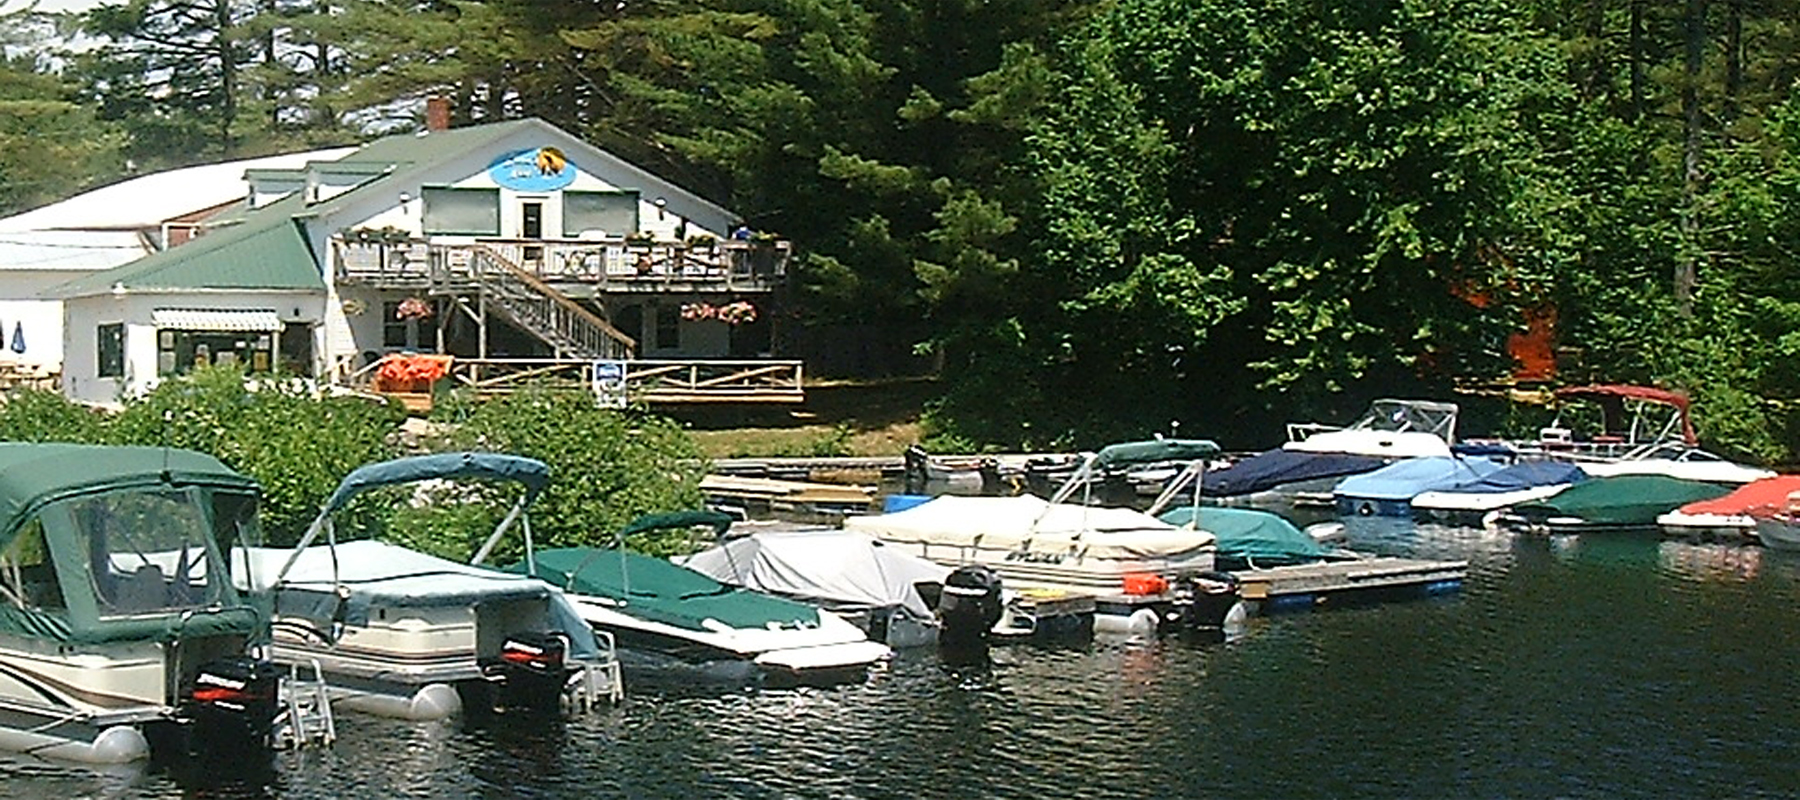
<point x="1249" y="538"/>
<point x="1526" y="475"/>
<point x="1404" y="480"/>
<point x="1484" y="449"/>
<point x="1265" y="471"/>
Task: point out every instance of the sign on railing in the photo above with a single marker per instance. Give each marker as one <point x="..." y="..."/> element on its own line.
<point x="609" y="383"/>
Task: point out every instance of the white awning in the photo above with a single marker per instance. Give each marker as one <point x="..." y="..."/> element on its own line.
<point x="216" y="319"/>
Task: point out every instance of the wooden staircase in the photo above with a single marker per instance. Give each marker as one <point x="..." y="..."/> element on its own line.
<point x="570" y="329"/>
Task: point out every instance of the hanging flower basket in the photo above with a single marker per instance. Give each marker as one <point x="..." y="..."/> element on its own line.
<point x="413" y="308"/>
<point x="737" y="313"/>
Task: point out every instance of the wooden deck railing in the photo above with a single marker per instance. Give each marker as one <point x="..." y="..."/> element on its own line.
<point x="645" y="381"/>
<point x="730" y="265"/>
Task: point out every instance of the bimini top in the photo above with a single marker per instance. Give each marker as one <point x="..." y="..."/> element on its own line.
<point x="1155" y="451"/>
<point x="131" y="536"/>
<point x="34" y="474"/>
<point x="530" y="472"/>
<point x="1612" y="397"/>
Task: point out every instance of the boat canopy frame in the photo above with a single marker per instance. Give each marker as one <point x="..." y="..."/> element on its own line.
<point x="528" y="472"/>
<point x="1628" y="409"/>
<point x="1394" y="415"/>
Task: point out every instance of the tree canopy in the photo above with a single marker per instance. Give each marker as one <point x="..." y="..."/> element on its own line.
<point x="1100" y="218"/>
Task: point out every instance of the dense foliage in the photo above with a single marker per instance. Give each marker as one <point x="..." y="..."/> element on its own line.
<point x="606" y="466"/>
<point x="1101" y="217"/>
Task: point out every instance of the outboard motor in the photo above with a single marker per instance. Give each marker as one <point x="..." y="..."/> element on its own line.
<point x="531" y="671"/>
<point x="1203" y="601"/>
<point x="229" y="708"/>
<point x="969" y="606"/>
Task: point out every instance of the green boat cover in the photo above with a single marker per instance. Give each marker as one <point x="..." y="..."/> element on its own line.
<point x="1251" y="538"/>
<point x="1622" y="500"/>
<point x="1155" y="451"/>
<point x="654" y="589"/>
<point x="52" y="484"/>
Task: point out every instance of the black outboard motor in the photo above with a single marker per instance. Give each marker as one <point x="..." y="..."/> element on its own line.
<point x="229" y="708"/>
<point x="1203" y="601"/>
<point x="969" y="606"/>
<point x="916" y="469"/>
<point x="531" y="671"/>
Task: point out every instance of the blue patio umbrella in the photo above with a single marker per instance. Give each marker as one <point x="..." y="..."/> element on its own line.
<point x="18" y="343"/>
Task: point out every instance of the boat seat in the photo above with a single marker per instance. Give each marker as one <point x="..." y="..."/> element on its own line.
<point x="143" y="590"/>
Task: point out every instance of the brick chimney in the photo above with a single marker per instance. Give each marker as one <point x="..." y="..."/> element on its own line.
<point x="437" y="113"/>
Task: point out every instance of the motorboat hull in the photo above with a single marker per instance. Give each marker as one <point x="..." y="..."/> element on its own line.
<point x="109" y="703"/>
<point x="659" y="653"/>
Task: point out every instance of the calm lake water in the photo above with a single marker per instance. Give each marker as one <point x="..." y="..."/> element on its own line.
<point x="1600" y="666"/>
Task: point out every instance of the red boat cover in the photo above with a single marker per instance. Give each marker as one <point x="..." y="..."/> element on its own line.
<point x="1759" y="498"/>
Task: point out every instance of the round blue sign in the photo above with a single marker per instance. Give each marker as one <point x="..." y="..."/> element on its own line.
<point x="539" y="169"/>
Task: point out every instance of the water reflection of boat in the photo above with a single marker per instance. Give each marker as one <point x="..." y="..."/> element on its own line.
<point x="675" y="625"/>
<point x="121" y="636"/>
<point x="400" y="633"/>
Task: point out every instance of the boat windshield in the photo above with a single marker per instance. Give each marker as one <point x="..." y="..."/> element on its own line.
<point x="149" y="550"/>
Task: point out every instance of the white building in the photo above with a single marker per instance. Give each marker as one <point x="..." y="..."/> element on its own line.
<point x="512" y="238"/>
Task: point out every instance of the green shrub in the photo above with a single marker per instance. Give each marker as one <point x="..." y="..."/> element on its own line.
<point x="296" y="444"/>
<point x="34" y="415"/>
<point x="607" y="467"/>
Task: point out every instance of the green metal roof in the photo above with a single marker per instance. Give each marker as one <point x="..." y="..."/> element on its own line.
<point x="268" y="250"/>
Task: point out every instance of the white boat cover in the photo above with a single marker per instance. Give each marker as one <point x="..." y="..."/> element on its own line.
<point x="837" y="567"/>
<point x="380" y="573"/>
<point x="1033" y="524"/>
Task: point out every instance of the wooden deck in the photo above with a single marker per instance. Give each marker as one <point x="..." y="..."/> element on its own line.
<point x="765" y="495"/>
<point x="1375" y="578"/>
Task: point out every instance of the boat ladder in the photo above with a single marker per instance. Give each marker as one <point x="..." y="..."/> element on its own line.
<point x="305" y="718"/>
<point x="599" y="677"/>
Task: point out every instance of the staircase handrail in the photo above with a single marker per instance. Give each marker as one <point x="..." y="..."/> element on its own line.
<point x="484" y="255"/>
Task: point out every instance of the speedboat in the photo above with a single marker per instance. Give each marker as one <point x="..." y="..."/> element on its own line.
<point x="1389" y="491"/>
<point x="675" y="625"/>
<point x="889" y="594"/>
<point x="1391" y="428"/>
<point x="1523" y="482"/>
<point x="1677" y="460"/>
<point x="1778" y="528"/>
<point x="1733" y="516"/>
<point x="1625" y="502"/>
<point x="399" y="633"/>
<point x="1138" y="570"/>
<point x="121" y="636"/>
<point x="1641" y="430"/>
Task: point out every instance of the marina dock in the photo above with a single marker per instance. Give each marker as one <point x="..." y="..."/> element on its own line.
<point x="1307" y="585"/>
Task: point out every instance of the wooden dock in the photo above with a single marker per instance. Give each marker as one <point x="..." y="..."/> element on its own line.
<point x="1335" y="582"/>
<point x="762" y="495"/>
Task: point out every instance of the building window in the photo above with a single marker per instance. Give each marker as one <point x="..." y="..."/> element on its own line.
<point x="178" y="352"/>
<point x="402" y="332"/>
<point x="668" y="328"/>
<point x="612" y="213"/>
<point x="472" y="212"/>
<point x="112" y="350"/>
